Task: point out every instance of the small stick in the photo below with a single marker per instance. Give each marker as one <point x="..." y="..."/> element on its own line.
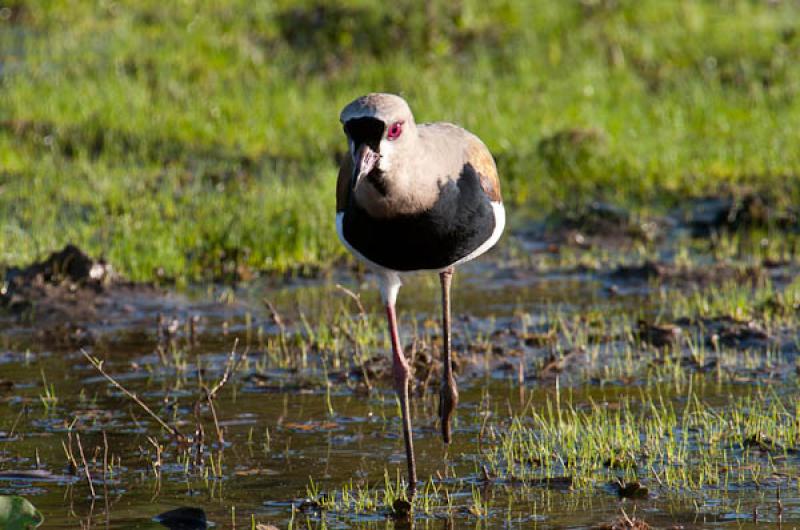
<point x="278" y="321"/>
<point x="16" y="422"/>
<point x="355" y="297"/>
<point x="98" y="364"/>
<point x="363" y="364"/>
<point x="627" y="519"/>
<point x="105" y="475"/>
<point x="85" y="465"/>
<point x="199" y="435"/>
<point x="658" y="479"/>
<point x="73" y="464"/>
<point x="105" y="456"/>
<point x="486" y="476"/>
<point x="157" y="464"/>
<point x="233" y="363"/>
<point x="273" y="314"/>
<point x="220" y="436"/>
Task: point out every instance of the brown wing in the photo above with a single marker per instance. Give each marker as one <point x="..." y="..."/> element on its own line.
<point x="343" y="182"/>
<point x="480" y="158"/>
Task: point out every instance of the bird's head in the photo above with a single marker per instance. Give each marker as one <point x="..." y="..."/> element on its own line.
<point x="378" y="127"/>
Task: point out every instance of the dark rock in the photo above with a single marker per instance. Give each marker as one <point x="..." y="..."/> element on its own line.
<point x="630" y="490"/>
<point x="183" y="518"/>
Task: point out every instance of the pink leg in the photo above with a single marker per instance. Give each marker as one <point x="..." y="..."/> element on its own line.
<point x="448" y="394"/>
<point x="402" y="376"/>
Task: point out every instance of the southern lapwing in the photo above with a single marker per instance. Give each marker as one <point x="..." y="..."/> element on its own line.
<point x="415" y="197"/>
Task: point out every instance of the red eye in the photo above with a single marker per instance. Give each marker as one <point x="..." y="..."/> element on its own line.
<point x="395" y="130"/>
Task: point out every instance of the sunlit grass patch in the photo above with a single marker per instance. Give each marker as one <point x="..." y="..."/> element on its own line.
<point x="662" y="444"/>
<point x="190" y="141"/>
<point x="672" y="445"/>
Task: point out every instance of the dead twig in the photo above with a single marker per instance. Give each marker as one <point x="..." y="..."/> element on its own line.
<point x="157" y="465"/>
<point x="199" y="435"/>
<point x="230" y="368"/>
<point x="209" y="395"/>
<point x="98" y="364"/>
<point x="85" y="465"/>
<point x="16" y="422"/>
<point x="355" y="297"/>
<point x="278" y="321"/>
<point x="105" y="471"/>
<point x="73" y="464"/>
<point x="105" y="456"/>
<point x="625" y="516"/>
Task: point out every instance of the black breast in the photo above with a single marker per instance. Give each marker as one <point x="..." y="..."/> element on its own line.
<point x="460" y="221"/>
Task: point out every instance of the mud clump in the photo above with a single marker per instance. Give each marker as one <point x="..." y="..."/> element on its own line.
<point x="70" y="264"/>
<point x="68" y="286"/>
<point x="624" y="523"/>
<point x="601" y="224"/>
<point x="686" y="275"/>
<point x="737" y="334"/>
<point x="630" y="490"/>
<point x="645" y="271"/>
<point x="709" y="215"/>
<point x="660" y="336"/>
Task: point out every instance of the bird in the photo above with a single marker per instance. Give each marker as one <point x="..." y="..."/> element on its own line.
<point x="415" y="197"/>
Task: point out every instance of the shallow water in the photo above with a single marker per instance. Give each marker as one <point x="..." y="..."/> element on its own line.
<point x="287" y="428"/>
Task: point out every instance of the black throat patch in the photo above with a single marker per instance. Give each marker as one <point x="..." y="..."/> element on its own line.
<point x="368" y="131"/>
<point x="365" y="131"/>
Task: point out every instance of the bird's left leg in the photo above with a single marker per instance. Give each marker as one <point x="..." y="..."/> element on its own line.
<point x="448" y="394"/>
<point x="402" y="376"/>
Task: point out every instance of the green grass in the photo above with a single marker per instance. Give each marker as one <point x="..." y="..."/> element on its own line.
<point x="193" y="140"/>
<point x="667" y="444"/>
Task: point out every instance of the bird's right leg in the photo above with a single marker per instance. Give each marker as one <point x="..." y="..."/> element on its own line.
<point x="402" y="377"/>
<point x="448" y="395"/>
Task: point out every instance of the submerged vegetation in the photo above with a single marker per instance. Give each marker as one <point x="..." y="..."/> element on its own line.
<point x="191" y="140"/>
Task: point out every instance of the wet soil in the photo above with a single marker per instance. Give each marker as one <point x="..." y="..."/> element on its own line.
<point x="68" y="288"/>
<point x="306" y="405"/>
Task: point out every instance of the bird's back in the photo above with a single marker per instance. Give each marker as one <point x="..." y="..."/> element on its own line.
<point x="456" y="147"/>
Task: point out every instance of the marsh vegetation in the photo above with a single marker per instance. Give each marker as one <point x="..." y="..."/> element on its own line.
<point x="627" y="355"/>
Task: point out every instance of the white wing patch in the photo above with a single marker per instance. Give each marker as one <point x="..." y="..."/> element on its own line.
<point x="499" y="225"/>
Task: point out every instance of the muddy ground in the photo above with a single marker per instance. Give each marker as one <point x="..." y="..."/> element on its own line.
<point x="275" y="399"/>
